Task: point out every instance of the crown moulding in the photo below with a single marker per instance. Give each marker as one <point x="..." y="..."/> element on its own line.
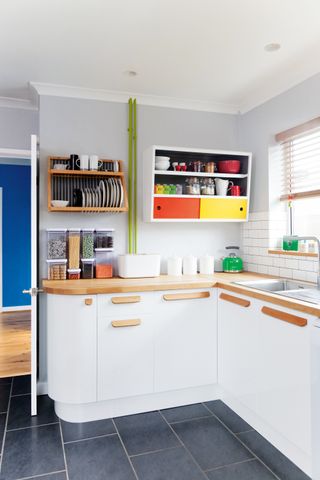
<point x="47" y="89"/>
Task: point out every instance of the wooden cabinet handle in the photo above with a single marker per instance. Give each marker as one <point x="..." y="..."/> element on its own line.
<point x="121" y="300"/>
<point x="169" y="297"/>
<point x="88" y="301"/>
<point x="285" y="317"/>
<point x="126" y="323"/>
<point x="232" y="299"/>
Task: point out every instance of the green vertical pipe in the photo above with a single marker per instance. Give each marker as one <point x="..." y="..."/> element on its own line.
<point x="130" y="177"/>
<point x="135" y="208"/>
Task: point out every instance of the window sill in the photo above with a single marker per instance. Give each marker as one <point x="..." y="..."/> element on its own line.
<point x="275" y="251"/>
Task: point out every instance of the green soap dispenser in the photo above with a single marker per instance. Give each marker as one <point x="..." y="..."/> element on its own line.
<point x="232" y="263"/>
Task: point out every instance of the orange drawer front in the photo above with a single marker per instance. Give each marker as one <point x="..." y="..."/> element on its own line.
<point x="176" y="208"/>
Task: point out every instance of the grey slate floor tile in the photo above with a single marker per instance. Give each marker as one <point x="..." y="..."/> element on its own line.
<point x="275" y="460"/>
<point x="32" y="451"/>
<point x="173" y="464"/>
<point x="250" y="470"/>
<point x="20" y="407"/>
<point x="4" y="397"/>
<point x="210" y="443"/>
<point x="3" y="417"/>
<point x="51" y="476"/>
<point x="228" y="416"/>
<point x="185" y="413"/>
<point x="145" y="432"/>
<point x="21" y="385"/>
<point x="78" y="431"/>
<point x="98" y="459"/>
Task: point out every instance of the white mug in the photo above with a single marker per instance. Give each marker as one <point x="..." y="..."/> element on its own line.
<point x="222" y="186"/>
<point x="83" y="162"/>
<point x="207" y="265"/>
<point x="189" y="265"/>
<point x="174" y="266"/>
<point x="94" y="162"/>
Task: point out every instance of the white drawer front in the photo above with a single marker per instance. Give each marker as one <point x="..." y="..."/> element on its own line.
<point x="125" y="304"/>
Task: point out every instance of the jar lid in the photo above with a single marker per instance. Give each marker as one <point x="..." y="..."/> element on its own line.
<point x="87" y="229"/>
<point x="87" y="260"/>
<point x="49" y="230"/>
<point x="103" y="249"/>
<point x="56" y="260"/>
<point x="76" y="230"/>
<point x="74" y="270"/>
<point x="104" y="230"/>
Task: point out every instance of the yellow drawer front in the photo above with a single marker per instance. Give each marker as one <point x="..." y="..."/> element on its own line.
<point x="223" y="208"/>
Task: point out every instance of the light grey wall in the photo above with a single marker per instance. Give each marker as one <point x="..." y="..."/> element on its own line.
<point x="16" y="126"/>
<point x="85" y="126"/>
<point x="258" y="127"/>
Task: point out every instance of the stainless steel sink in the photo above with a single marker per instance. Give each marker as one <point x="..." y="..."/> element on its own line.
<point x="287" y="288"/>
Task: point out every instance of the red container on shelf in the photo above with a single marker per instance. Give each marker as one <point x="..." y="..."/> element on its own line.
<point x="229" y="166"/>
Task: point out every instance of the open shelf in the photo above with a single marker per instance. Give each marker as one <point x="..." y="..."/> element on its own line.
<point x="200" y="174"/>
<point x="96" y="173"/>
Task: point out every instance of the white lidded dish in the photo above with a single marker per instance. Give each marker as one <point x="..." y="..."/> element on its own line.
<point x="139" y="265"/>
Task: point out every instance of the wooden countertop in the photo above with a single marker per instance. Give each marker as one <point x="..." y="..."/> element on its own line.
<point x="165" y="282"/>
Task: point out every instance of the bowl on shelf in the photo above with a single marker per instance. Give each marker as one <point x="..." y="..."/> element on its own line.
<point x="59" y="203"/>
<point x="162" y="163"/>
<point x="229" y="166"/>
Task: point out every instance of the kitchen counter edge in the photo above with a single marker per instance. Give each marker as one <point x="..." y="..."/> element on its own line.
<point x="165" y="282"/>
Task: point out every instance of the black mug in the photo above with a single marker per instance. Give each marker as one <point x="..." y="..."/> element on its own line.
<point x="73" y="161"/>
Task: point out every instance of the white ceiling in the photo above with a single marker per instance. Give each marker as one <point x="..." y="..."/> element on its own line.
<point x="201" y="52"/>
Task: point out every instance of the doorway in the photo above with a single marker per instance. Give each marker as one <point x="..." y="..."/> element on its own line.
<point x="15" y="263"/>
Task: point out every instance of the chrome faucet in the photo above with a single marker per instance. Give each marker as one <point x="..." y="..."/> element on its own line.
<point x="291" y="238"/>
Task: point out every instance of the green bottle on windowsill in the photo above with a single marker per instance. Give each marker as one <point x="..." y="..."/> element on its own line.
<point x="289" y="244"/>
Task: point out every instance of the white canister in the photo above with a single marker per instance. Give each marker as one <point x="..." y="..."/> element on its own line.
<point x="174" y="266"/>
<point x="207" y="265"/>
<point x="190" y="265"/>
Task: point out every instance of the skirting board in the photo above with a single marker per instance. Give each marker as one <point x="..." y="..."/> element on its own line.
<point x="20" y="308"/>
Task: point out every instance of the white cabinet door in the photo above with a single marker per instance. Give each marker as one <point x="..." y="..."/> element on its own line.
<point x="238" y="347"/>
<point x="185" y="339"/>
<point x="125" y="356"/>
<point x="72" y="351"/>
<point x="284" y="380"/>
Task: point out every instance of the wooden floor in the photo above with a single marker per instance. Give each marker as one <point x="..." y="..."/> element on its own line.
<point x="15" y="343"/>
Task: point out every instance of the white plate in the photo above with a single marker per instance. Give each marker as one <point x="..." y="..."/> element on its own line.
<point x="107" y="192"/>
<point x="103" y="193"/>
<point x="116" y="192"/>
<point x="121" y="193"/>
<point x="83" y="204"/>
<point x="99" y="193"/>
<point x="111" y="189"/>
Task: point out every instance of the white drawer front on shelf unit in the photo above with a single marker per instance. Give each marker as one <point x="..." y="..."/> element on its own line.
<point x="125" y="356"/>
<point x="125" y="303"/>
<point x="238" y="347"/>
<point x="185" y="339"/>
<point x="72" y="349"/>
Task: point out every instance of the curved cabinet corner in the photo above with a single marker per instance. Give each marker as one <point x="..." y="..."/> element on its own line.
<point x="72" y="349"/>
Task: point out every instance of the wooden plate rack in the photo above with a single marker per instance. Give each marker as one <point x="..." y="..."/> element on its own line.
<point x="70" y="179"/>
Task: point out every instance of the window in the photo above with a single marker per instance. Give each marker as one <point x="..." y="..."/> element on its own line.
<point x="300" y="177"/>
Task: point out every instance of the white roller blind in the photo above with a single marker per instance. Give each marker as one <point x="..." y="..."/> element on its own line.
<point x="300" y="165"/>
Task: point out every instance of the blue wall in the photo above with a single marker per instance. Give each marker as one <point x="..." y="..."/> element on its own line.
<point x="16" y="234"/>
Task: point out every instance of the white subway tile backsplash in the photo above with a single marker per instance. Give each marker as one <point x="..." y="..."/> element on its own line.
<point x="305" y="265"/>
<point x="286" y="272"/>
<point x="279" y="262"/>
<point x="292" y="263"/>
<point x="263" y="269"/>
<point x="299" y="275"/>
<point x="274" y="271"/>
<point x="312" y="277"/>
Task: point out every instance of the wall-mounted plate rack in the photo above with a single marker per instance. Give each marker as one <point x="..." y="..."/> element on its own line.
<point x="96" y="191"/>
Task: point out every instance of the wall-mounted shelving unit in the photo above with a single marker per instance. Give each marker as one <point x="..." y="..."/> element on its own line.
<point x="63" y="183"/>
<point x="195" y="208"/>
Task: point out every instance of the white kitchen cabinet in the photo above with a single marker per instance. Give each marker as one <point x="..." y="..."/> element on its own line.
<point x="185" y="339"/>
<point x="284" y="392"/>
<point x="72" y="349"/>
<point x="238" y="347"/>
<point x="125" y="355"/>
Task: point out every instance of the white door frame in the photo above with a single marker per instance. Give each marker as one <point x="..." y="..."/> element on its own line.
<point x="8" y="153"/>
